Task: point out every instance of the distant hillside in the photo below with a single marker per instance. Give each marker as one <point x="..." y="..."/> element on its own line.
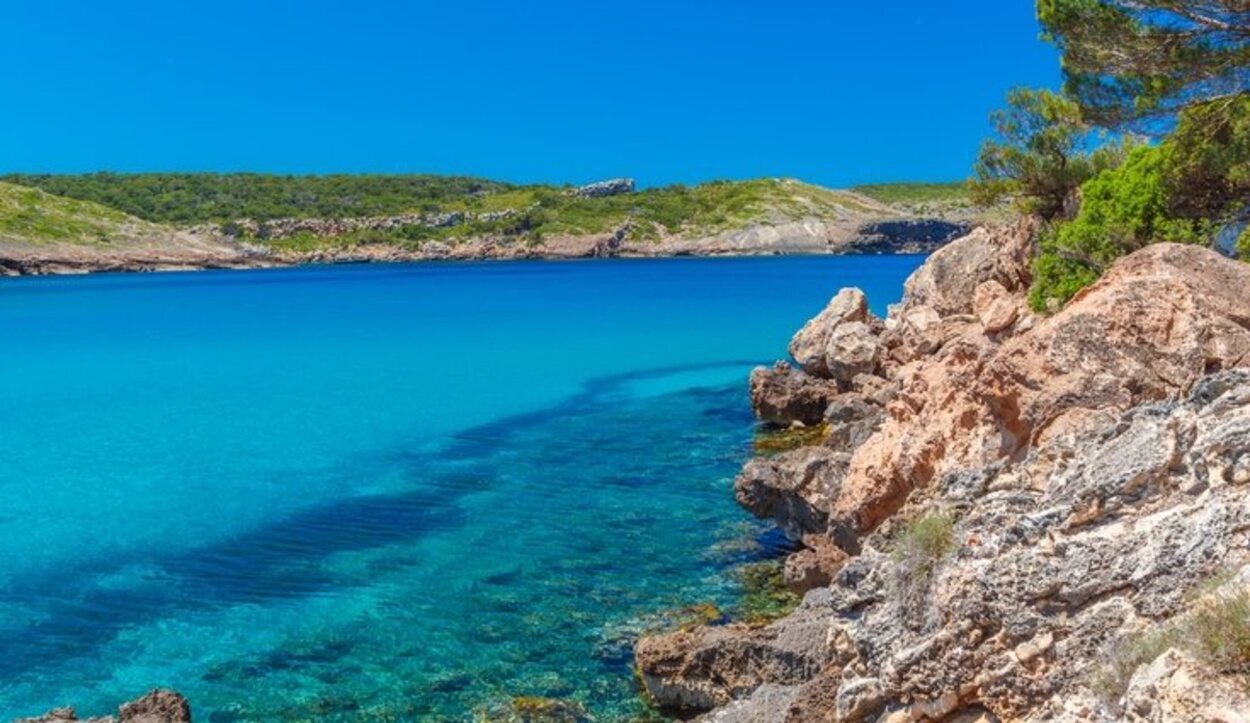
<point x="30" y="216"/>
<point x="41" y="233"/>
<point x="265" y="219"/>
<point x="908" y="194"/>
<point x="192" y="198"/>
<point x="418" y="209"/>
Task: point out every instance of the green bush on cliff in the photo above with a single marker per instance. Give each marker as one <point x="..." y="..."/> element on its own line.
<point x="1122" y="209"/>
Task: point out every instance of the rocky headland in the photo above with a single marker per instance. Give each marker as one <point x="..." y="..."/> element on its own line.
<point x="1003" y="516"/>
<point x="41" y="233"/>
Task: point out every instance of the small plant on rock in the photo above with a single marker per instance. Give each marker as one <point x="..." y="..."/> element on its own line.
<point x="1215" y="631"/>
<point x="924" y="543"/>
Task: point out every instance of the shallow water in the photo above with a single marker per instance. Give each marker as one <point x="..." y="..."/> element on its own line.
<point x="378" y="493"/>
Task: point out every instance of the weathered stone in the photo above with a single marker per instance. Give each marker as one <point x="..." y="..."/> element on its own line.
<point x="975" y="402"/>
<point x="601" y="189"/>
<point x="158" y="706"/>
<point x="783" y="395"/>
<point x="995" y="306"/>
<point x="1095" y="463"/>
<point x="1174" y="688"/>
<point x="809" y="347"/>
<point x="948" y="280"/>
<point x="853" y="349"/>
<point x="710" y="666"/>
<point x="795" y="488"/>
<point x="813" y="566"/>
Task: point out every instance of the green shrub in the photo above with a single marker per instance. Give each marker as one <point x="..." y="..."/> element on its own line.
<point x="918" y="550"/>
<point x="1122" y="210"/>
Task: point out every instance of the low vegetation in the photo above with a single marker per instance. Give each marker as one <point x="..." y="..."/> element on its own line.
<point x="1215" y="631"/>
<point x="30" y="216"/>
<point x="524" y="213"/>
<point x="924" y="543"/>
<point x="190" y="198"/>
<point x="910" y="194"/>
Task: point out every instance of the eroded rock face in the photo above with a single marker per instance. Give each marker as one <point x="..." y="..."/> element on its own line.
<point x="1094" y="465"/>
<point x="783" y="396"/>
<point x="711" y="666"/>
<point x="796" y="488"/>
<point x="948" y="280"/>
<point x="601" y="189"/>
<point x="1155" y="324"/>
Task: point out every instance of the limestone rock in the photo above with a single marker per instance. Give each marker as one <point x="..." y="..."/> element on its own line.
<point x="1176" y="689"/>
<point x="948" y="280"/>
<point x="796" y="488"/>
<point x="158" y="706"/>
<point x="711" y="666"/>
<point x="783" y="395"/>
<point x="813" y="566"/>
<point x="600" y="189"/>
<point x="810" y="345"/>
<point x="853" y="349"/>
<point x="995" y="306"/>
<point x="1095" y="465"/>
<point x="1117" y="344"/>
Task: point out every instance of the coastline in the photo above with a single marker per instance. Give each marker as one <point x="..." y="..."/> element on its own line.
<point x="899" y="236"/>
<point x="993" y="505"/>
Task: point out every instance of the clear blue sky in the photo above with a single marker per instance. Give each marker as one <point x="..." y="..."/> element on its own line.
<point x="831" y="91"/>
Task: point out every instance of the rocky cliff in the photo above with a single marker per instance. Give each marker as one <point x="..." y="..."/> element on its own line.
<point x="1006" y="516"/>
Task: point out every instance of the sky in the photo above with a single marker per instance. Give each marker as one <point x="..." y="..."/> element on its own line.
<point x="830" y="91"/>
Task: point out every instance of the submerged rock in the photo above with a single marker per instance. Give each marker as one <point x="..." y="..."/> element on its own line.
<point x="158" y="706"/>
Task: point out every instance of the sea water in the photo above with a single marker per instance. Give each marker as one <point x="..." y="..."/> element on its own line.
<point x="393" y="492"/>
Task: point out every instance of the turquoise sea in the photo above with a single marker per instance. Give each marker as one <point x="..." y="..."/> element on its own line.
<point x="392" y="493"/>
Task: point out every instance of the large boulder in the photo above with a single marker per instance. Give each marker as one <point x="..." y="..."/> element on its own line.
<point x="782" y="395"/>
<point x="796" y="488"/>
<point x="810" y="346"/>
<point x="948" y="280"/>
<point x="700" y="669"/>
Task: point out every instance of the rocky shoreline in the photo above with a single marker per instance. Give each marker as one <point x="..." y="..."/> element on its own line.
<point x="806" y="236"/>
<point x="999" y="515"/>
<point x="1004" y="513"/>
